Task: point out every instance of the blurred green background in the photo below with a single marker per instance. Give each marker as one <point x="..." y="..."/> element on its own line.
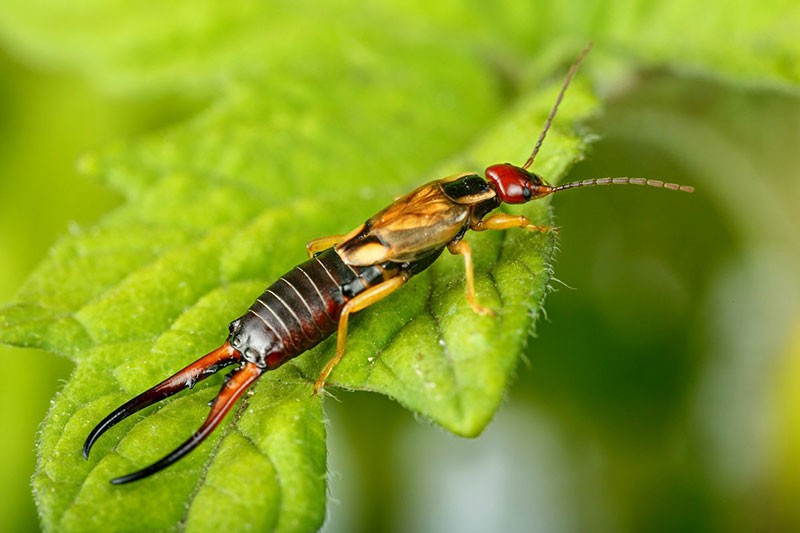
<point x="662" y="392"/>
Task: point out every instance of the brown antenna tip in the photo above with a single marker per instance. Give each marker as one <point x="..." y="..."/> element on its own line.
<point x="572" y="71"/>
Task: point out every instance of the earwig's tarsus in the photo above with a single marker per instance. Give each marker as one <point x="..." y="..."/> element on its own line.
<point x="231" y="390"/>
<point x="186" y="378"/>
<point x="315" y="246"/>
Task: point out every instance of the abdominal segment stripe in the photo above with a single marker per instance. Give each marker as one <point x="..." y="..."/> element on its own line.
<point x="291" y="312"/>
<point x="305" y="302"/>
<point x="319" y="293"/>
<point x="264" y="320"/>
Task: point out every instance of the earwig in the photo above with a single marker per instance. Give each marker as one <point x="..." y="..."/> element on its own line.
<point x="347" y="273"/>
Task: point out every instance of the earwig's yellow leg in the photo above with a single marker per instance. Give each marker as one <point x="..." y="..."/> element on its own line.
<point x="504" y="221"/>
<point x="363" y="300"/>
<point x="462" y="248"/>
<point x="323" y="243"/>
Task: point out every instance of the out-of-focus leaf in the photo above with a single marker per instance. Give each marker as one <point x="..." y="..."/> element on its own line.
<point x="154" y="286"/>
<point x="198" y="46"/>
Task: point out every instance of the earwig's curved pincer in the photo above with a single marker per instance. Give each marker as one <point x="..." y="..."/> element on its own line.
<point x="235" y="384"/>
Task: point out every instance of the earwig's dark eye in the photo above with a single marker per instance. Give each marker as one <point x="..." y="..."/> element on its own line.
<point x="526" y="193"/>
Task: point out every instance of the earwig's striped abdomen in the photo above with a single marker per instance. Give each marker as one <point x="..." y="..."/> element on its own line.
<point x="300" y="310"/>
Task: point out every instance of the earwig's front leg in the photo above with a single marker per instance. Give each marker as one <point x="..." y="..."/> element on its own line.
<point x="462" y="248"/>
<point x="322" y="243"/>
<point x="504" y="221"/>
<point x="363" y="300"/>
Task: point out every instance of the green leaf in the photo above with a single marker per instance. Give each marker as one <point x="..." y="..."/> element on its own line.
<point x="312" y="124"/>
<point x="154" y="285"/>
<point x="221" y="205"/>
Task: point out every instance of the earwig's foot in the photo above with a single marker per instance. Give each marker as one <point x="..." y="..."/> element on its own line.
<point x="315" y="246"/>
<point x="481" y="310"/>
<point x="542" y="229"/>
<point x="320" y="383"/>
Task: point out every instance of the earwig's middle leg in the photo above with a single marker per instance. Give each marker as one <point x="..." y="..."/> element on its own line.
<point x="362" y="301"/>
<point x="505" y="221"/>
<point x="322" y="243"/>
<point x="462" y="248"/>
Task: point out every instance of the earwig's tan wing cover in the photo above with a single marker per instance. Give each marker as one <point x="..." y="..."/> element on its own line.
<point x="410" y="228"/>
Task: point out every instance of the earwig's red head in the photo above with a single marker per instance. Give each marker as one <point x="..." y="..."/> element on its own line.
<point x="515" y="185"/>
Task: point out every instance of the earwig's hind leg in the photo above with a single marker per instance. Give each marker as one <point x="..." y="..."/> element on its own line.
<point x="462" y="248"/>
<point x="233" y="388"/>
<point x="322" y="243"/>
<point x="363" y="300"/>
<point x="186" y="378"/>
<point x="505" y="221"/>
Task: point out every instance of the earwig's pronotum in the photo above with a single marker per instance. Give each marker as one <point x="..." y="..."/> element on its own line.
<point x="347" y="273"/>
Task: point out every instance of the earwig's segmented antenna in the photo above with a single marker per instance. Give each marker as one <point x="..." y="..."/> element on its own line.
<point x="573" y="69"/>
<point x="623" y="181"/>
